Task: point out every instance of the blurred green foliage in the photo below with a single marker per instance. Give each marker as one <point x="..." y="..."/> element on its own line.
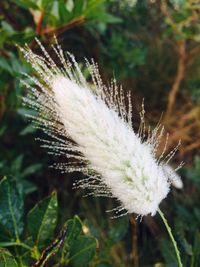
<point x="149" y="46"/>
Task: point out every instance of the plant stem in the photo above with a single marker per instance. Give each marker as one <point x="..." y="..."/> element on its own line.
<point x="172" y="238"/>
<point x="10" y="244"/>
<point x="134" y="254"/>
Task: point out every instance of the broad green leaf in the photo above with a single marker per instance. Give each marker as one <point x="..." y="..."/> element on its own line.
<point x="11" y="207"/>
<point x="79" y="249"/>
<point x="42" y="219"/>
<point x="6" y="259"/>
<point x="74" y="228"/>
<point x="82" y="251"/>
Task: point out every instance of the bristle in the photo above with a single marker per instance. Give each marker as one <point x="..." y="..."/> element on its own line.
<point x="90" y="126"/>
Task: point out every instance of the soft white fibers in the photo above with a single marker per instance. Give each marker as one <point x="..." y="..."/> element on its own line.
<point x="93" y="129"/>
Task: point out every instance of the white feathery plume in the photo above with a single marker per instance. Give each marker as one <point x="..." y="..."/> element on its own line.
<point x="173" y="177"/>
<point x="92" y="127"/>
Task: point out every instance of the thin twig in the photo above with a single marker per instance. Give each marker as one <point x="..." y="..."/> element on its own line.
<point x="134" y="254"/>
<point x="180" y="74"/>
<point x="171" y="237"/>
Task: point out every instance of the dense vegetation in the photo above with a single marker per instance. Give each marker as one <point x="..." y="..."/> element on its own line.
<point x="153" y="49"/>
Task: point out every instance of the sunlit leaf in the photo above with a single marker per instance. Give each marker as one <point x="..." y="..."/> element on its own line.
<point x="42" y="219"/>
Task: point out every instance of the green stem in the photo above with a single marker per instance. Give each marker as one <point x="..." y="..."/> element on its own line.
<point x="172" y="238"/>
<point x="10" y="244"/>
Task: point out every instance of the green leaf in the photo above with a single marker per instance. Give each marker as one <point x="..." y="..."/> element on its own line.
<point x="47" y="5"/>
<point x="6" y="259"/>
<point x="5" y="234"/>
<point x="11" y="207"/>
<point x="26" y="3"/>
<point x="17" y="164"/>
<point x="34" y="168"/>
<point x="105" y="18"/>
<point x="79" y="249"/>
<point x="74" y="228"/>
<point x="64" y="14"/>
<point x="82" y="251"/>
<point x="186" y="246"/>
<point x="26" y="111"/>
<point x="7" y="27"/>
<point x="5" y="66"/>
<point x="92" y="5"/>
<point x="167" y="251"/>
<point x="42" y="219"/>
<point x="28" y="187"/>
<point x="78" y="8"/>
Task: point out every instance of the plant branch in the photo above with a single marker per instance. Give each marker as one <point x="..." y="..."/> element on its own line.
<point x="134" y="254"/>
<point x="55" y="31"/>
<point x="180" y="74"/>
<point x="39" y="23"/>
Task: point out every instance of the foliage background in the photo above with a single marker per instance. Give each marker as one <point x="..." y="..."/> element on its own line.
<point x="152" y="47"/>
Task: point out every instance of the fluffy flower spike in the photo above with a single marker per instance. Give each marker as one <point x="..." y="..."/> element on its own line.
<point x="91" y="125"/>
